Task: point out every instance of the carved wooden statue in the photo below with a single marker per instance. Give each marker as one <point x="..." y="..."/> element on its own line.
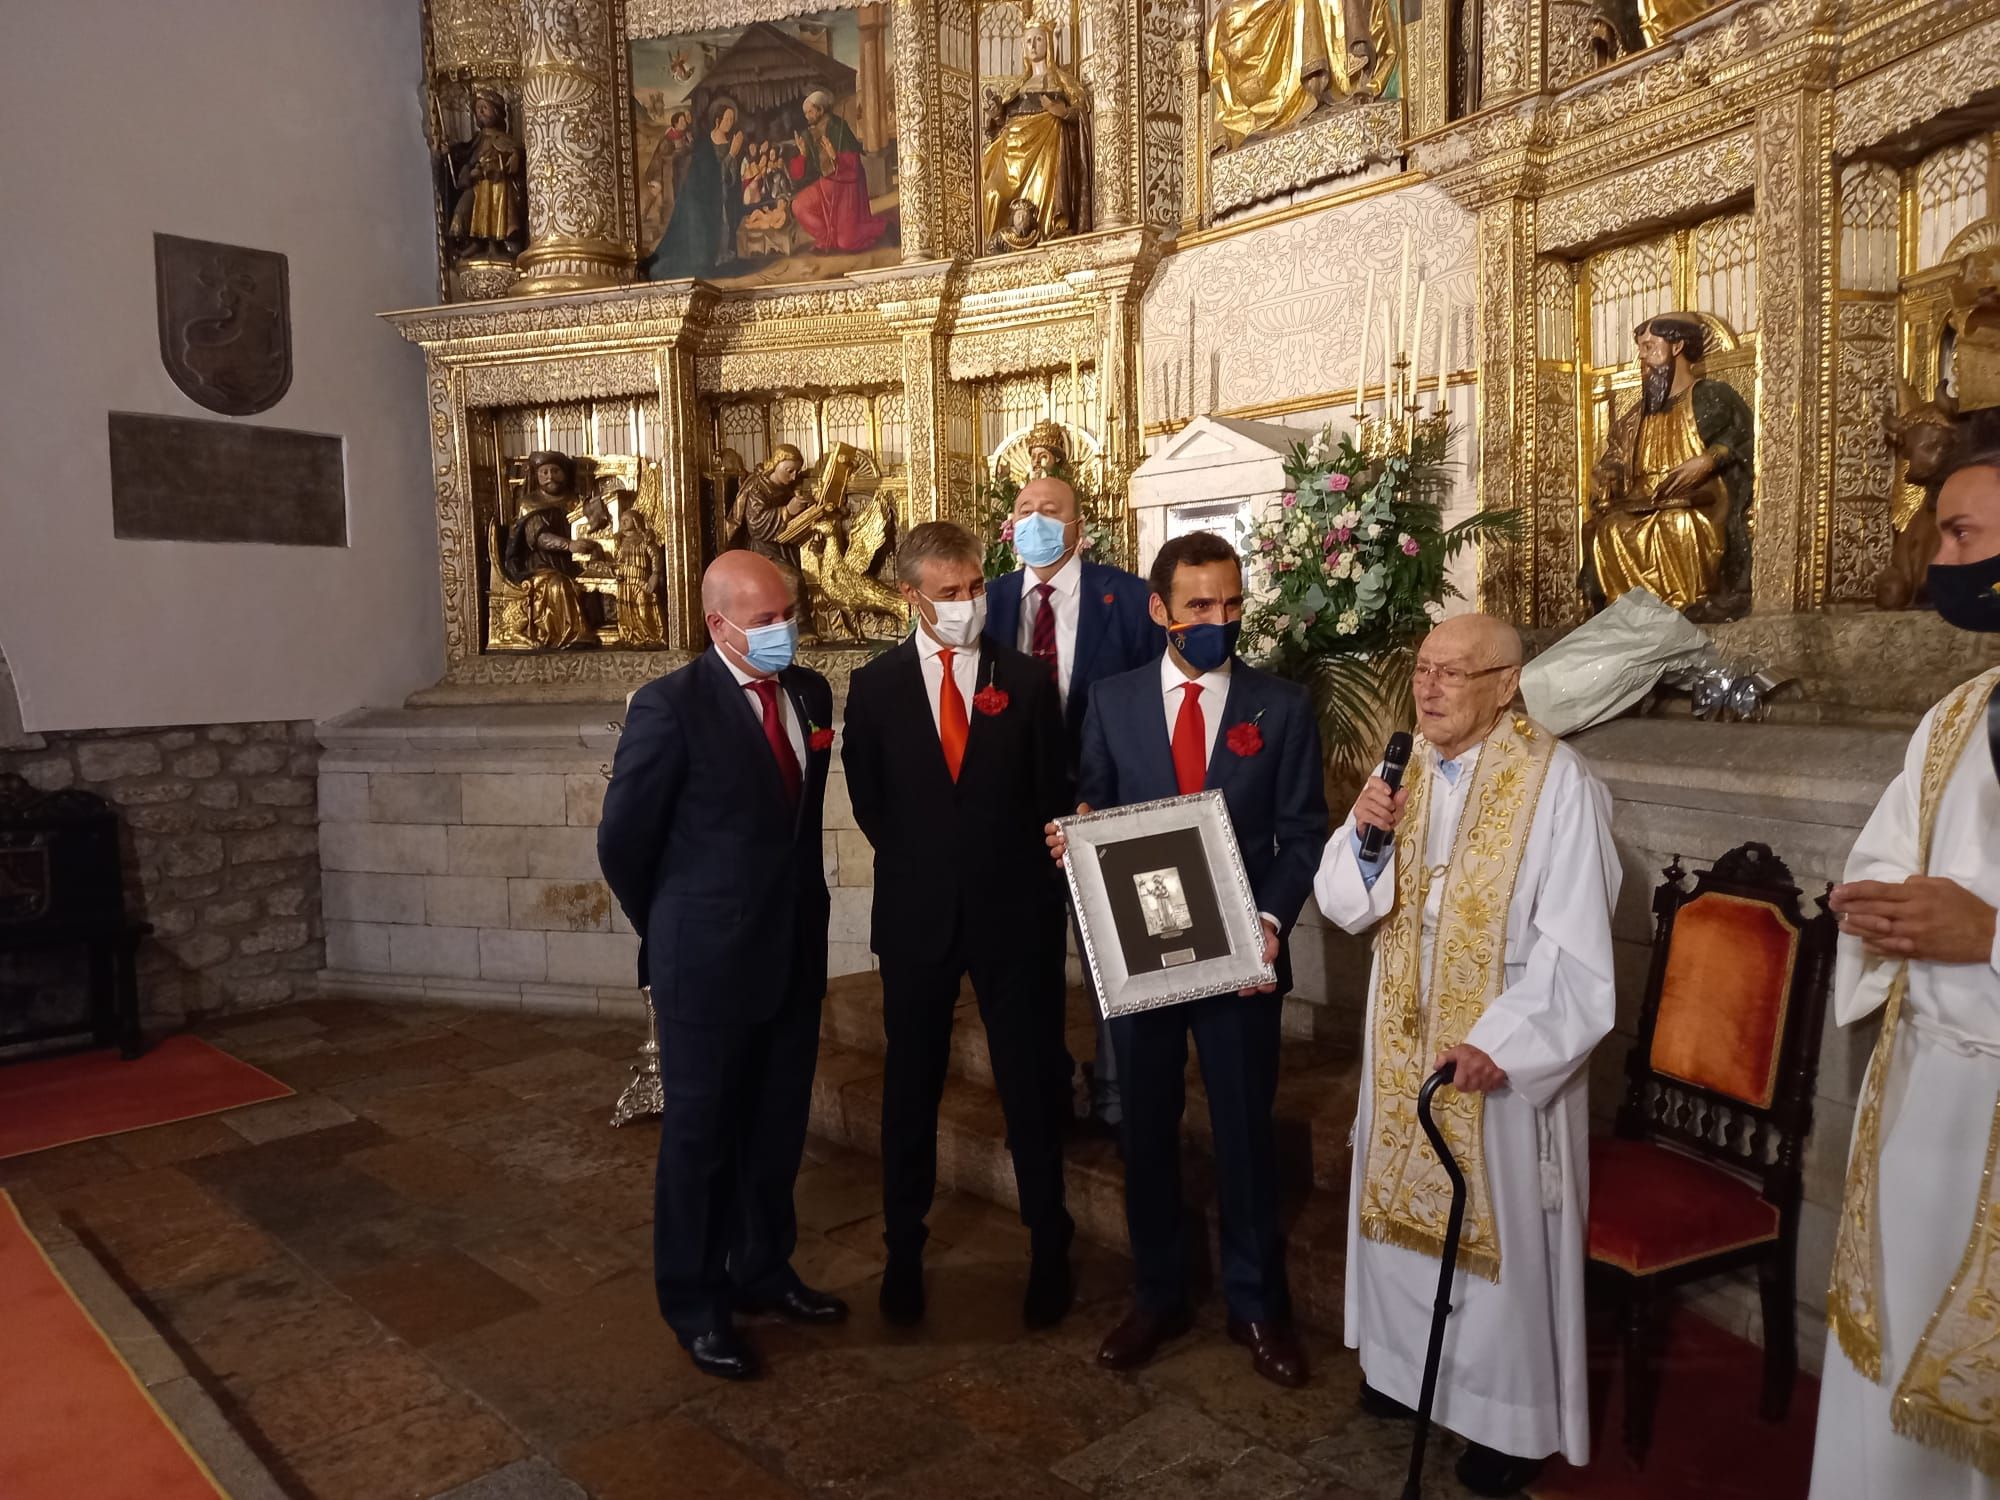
<point x="1271" y="63"/>
<point x="640" y="566"/>
<point x="1925" y="435"/>
<point x="539" y="559"/>
<point x="1037" y="152"/>
<point x="1670" y="497"/>
<point x="489" y="215"/>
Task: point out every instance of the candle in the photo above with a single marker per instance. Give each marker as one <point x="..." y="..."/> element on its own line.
<point x="1388" y="359"/>
<point x="1444" y="349"/>
<point x="1075" y="402"/>
<point x="1215" y="380"/>
<point x="1417" y="344"/>
<point x="1361" y="353"/>
<point x="1403" y="295"/>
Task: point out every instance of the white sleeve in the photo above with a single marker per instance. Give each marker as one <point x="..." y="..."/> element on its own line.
<point x="1540" y="1029"/>
<point x="1343" y="892"/>
<point x="1885" y="851"/>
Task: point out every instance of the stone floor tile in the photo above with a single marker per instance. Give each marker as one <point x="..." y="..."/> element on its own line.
<point x="546" y="1269"/>
<point x="1034" y="1404"/>
<point x="325" y="1068"/>
<point x="427" y="1108"/>
<point x="415" y="1453"/>
<point x="1175" y="1452"/>
<point x="540" y="1149"/>
<point x="183" y="1140"/>
<point x="461" y="1051"/>
<point x="286" y="1117"/>
<point x="264" y="1323"/>
<point x="134" y="1210"/>
<point x="433" y="1296"/>
<point x="556" y="1074"/>
<point x="63" y="1167"/>
<point x="530" y="1479"/>
<point x="310" y="1406"/>
<point x="304" y="1203"/>
<point x="831" y="1267"/>
<point x="338" y="1247"/>
<point x="425" y="1171"/>
<point x="1215" y="1376"/>
<point x="971" y="1473"/>
<point x="207" y="1255"/>
<point x="827" y="1197"/>
<point x="667" y="1458"/>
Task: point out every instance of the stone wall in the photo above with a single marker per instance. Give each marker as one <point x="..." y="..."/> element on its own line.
<point x="460" y="854"/>
<point x="221" y="853"/>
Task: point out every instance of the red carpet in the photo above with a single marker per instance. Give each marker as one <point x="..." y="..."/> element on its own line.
<point x="78" y="1423"/>
<point x="1708" y="1440"/>
<point x="78" y="1098"/>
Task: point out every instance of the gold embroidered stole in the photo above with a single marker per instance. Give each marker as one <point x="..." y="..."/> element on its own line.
<point x="1405" y="1196"/>
<point x="1949" y="1397"/>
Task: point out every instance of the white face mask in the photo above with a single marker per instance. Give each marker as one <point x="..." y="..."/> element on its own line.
<point x="959" y="622"/>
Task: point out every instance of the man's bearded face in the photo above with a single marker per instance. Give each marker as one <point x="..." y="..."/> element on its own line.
<point x="1659" y="362"/>
<point x="550" y="480"/>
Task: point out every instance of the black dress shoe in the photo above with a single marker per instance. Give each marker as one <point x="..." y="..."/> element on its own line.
<point x="902" y="1297"/>
<point x="1135" y="1341"/>
<point x="1275" y="1351"/>
<point x="1388" y="1408"/>
<point x="1051" y="1291"/>
<point x="1487" y="1471"/>
<point x="724" y="1355"/>
<point x="801" y="1304"/>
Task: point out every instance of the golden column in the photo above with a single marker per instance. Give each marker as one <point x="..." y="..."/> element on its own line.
<point x="680" y="494"/>
<point x="1795" y="208"/>
<point x="876" y="120"/>
<point x="915" y="23"/>
<point x="1108" y="73"/>
<point x="913" y="300"/>
<point x="1195" y="118"/>
<point x="575" y="113"/>
<point x="1505" y="344"/>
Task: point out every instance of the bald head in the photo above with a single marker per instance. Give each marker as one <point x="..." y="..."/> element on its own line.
<point x="1049" y="495"/>
<point x="740" y="591"/>
<point x="1468" y="670"/>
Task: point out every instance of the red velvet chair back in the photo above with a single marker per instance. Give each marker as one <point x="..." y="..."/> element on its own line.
<point x="1729" y="1029"/>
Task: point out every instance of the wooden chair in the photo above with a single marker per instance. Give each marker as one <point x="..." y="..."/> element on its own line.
<point x="1702" y="1173"/>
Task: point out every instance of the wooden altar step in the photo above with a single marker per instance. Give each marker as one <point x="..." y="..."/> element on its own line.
<point x="1317" y="1086"/>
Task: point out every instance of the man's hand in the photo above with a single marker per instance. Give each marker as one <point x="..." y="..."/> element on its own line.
<point x="1923" y="917"/>
<point x="1052" y="835"/>
<point x="1270" y="956"/>
<point x="1685" y="478"/>
<point x="1476" y="1072"/>
<point x="1378" y="807"/>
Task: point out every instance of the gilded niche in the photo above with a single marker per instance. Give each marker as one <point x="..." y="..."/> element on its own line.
<point x="1274" y="63"/>
<point x="1035" y="172"/>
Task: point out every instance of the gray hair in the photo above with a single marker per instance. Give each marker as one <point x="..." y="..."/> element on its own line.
<point x="940" y="541"/>
<point x="822" y="98"/>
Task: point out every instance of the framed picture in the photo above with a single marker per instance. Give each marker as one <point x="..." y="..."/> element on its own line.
<point x="1164" y="905"/>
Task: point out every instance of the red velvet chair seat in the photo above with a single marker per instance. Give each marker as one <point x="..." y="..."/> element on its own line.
<point x="1652" y="1209"/>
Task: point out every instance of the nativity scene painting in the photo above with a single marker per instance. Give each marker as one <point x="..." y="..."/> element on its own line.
<point x="767" y="154"/>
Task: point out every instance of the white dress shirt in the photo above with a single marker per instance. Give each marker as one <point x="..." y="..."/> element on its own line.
<point x="1214" y="697"/>
<point x="964" y="671"/>
<point x="1067" y="602"/>
<point x="753" y="701"/>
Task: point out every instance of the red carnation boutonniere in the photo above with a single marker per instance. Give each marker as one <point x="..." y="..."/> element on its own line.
<point x="1110" y="598"/>
<point x="1245" y="739"/>
<point x="990" y="700"/>
<point x="818" y="738"/>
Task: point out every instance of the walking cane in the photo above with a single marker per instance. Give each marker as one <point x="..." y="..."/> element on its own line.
<point x="1447" y="1263"/>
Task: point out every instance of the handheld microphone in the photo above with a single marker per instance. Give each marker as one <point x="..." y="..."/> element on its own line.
<point x="1394" y="758"/>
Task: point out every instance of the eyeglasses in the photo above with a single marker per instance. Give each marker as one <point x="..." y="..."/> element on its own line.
<point x="1452" y="677"/>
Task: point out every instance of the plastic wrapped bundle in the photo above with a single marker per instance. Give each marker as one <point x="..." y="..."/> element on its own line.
<point x="1602" y="668"/>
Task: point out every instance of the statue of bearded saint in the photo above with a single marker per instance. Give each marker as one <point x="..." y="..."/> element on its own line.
<point x="1670" y="497"/>
<point x="766" y="505"/>
<point x="1273" y="62"/>
<point x="540" y="556"/>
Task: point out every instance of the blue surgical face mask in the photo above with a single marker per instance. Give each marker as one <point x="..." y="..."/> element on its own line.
<point x="1205" y="647"/>
<point x="770" y="648"/>
<point x="1040" y="539"/>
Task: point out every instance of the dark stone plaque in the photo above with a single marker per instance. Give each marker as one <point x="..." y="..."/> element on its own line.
<point x="225" y="323"/>
<point x="187" y="479"/>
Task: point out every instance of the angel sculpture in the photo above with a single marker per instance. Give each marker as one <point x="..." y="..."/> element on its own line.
<point x="836" y="559"/>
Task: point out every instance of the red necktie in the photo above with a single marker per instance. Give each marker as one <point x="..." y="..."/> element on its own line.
<point x="1043" y="642"/>
<point x="1190" y="731"/>
<point x="766" y="690"/>
<point x="952" y="725"/>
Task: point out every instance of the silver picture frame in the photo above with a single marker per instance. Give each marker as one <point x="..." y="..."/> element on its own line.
<point x="1163" y="903"/>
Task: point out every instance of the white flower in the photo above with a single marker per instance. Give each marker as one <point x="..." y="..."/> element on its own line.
<point x="1435" y="609"/>
<point x="1348" y="623"/>
<point x="1350" y="518"/>
<point x="1374" y="531"/>
<point x="1353" y="570"/>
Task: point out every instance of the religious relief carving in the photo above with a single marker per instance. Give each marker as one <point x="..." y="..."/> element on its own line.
<point x="580" y="563"/>
<point x="1670" y="497"/>
<point x="1925" y="435"/>
<point x="225" y="323"/>
<point x="1274" y="63"/>
<point x="485" y="180"/>
<point x="1035" y="173"/>
<point x="1658" y="17"/>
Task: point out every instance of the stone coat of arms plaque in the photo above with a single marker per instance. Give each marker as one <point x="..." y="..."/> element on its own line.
<point x="225" y="323"/>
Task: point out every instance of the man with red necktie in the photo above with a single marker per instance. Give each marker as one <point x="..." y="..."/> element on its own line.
<point x="1196" y="719"/>
<point x="953" y="748"/>
<point x="711" y="843"/>
<point x="1085" y="621"/>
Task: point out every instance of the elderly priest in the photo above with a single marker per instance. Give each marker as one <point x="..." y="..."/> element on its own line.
<point x="1910" y="1399"/>
<point x="1493" y="952"/>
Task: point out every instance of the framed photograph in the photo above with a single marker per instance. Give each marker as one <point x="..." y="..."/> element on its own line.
<point x="1164" y="905"/>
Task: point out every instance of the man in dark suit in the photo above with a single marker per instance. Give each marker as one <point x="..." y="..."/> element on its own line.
<point x="711" y="843"/>
<point x="1201" y="718"/>
<point x="1086" y="621"/>
<point x="953" y="747"/>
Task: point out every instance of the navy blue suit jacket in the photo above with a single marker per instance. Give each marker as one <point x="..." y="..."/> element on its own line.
<point x="1276" y="796"/>
<point x="1114" y="632"/>
<point x="721" y="875"/>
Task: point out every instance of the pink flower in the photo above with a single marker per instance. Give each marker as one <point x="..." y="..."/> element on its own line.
<point x="1086" y="544"/>
<point x="1007" y="531"/>
<point x="1336" y="560"/>
<point x="1341" y="533"/>
<point x="1285" y="567"/>
<point x="1410" y="547"/>
<point x="1289" y="499"/>
<point x="1270" y="544"/>
<point x="1336" y="482"/>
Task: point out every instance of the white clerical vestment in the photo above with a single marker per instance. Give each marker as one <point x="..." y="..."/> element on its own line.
<point x="1513" y="1373"/>
<point x="1937" y="1114"/>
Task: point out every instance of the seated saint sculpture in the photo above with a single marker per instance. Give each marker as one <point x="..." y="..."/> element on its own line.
<point x="1271" y="63"/>
<point x="540" y="557"/>
<point x="1670" y="497"/>
<point x="766" y="505"/>
<point x="1037" y="151"/>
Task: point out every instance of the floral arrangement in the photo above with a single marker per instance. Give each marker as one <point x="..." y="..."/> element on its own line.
<point x="997" y="497"/>
<point x="1350" y="574"/>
